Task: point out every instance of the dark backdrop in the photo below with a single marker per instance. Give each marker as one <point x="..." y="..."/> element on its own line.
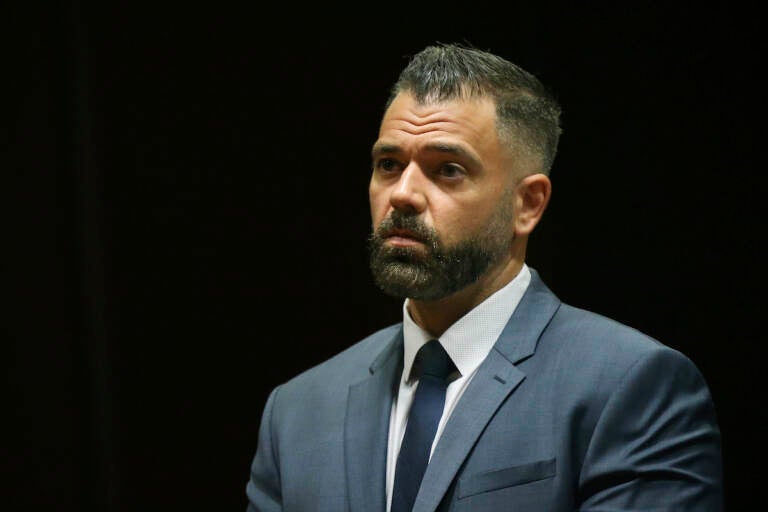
<point x="187" y="210"/>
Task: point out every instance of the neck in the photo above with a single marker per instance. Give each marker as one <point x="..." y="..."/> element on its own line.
<point x="437" y="316"/>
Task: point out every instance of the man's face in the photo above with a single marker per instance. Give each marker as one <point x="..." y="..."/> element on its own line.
<point x="441" y="197"/>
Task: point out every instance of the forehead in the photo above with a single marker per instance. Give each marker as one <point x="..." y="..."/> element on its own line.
<point x="471" y="121"/>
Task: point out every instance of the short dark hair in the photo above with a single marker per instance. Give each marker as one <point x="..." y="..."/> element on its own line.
<point x="524" y="107"/>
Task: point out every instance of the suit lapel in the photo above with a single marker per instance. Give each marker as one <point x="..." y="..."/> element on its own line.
<point x="366" y="431"/>
<point x="495" y="379"/>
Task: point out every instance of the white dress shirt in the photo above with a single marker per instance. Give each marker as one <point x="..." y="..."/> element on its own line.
<point x="468" y="342"/>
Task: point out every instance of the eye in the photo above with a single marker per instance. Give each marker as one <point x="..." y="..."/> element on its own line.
<point x="386" y="165"/>
<point x="451" y="171"/>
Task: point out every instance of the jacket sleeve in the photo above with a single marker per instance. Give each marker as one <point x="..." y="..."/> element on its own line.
<point x="263" y="488"/>
<point x="656" y="445"/>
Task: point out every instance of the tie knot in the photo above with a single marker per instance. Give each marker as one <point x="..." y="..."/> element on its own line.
<point x="433" y="360"/>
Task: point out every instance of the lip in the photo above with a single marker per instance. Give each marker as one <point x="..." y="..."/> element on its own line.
<point x="403" y="238"/>
<point x="399" y="241"/>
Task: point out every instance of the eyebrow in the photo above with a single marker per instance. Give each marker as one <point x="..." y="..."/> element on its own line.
<point x="439" y="147"/>
<point x="383" y="147"/>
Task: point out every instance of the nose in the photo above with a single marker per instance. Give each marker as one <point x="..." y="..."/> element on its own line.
<point x="408" y="193"/>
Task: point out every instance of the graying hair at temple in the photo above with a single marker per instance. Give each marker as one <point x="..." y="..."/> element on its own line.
<point x="524" y="107"/>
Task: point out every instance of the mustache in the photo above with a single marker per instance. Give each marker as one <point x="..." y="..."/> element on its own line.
<point x="399" y="221"/>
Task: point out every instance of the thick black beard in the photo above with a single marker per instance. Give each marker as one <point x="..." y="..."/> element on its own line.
<point x="434" y="271"/>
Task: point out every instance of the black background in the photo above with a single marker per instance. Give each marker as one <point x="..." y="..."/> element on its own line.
<point x="187" y="208"/>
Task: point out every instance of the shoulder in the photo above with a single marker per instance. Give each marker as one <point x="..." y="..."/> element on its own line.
<point x="348" y="366"/>
<point x="585" y="340"/>
<point x="587" y="330"/>
<point x="606" y="352"/>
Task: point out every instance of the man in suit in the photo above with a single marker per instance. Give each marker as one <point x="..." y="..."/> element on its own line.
<point x="491" y="394"/>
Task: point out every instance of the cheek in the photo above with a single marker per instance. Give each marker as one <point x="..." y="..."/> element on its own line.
<point x="378" y="205"/>
<point x="459" y="224"/>
<point x="450" y="226"/>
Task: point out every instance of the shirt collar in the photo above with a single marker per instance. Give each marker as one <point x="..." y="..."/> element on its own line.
<point x="469" y="340"/>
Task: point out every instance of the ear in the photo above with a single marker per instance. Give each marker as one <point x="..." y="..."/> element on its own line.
<point x="531" y="198"/>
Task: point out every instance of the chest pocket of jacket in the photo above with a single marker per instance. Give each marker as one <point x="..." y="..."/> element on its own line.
<point x="500" y="478"/>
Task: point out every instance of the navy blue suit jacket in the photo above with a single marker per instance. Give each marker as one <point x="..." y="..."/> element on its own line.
<point x="569" y="411"/>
